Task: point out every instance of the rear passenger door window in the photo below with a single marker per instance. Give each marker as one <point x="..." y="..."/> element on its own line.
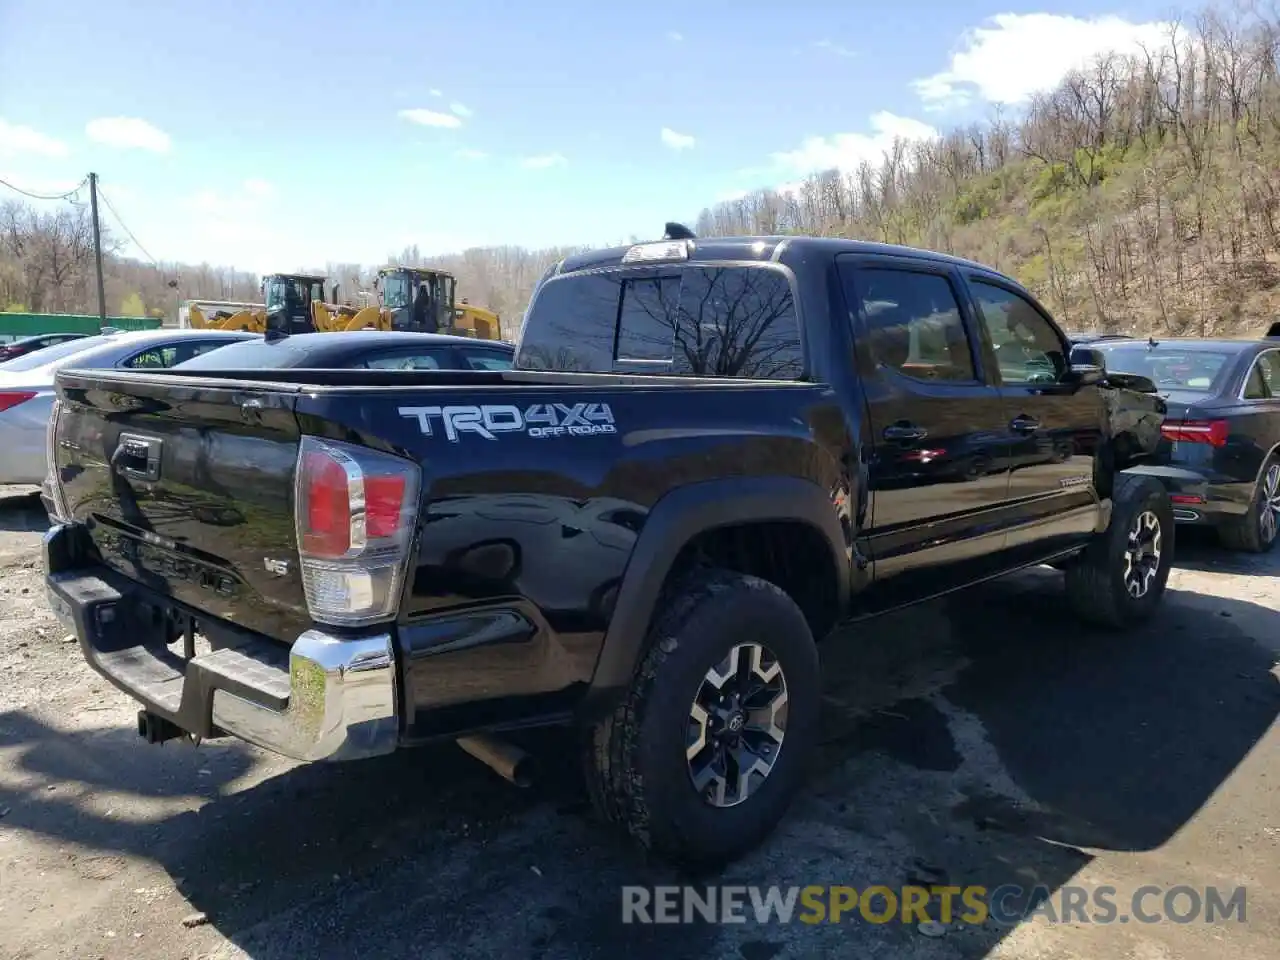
<point x="187" y="351"/>
<point x="914" y="325"/>
<point x="154" y="358"/>
<point x="1264" y="378"/>
<point x="1028" y="350"/>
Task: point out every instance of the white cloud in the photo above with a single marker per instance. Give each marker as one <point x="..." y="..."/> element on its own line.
<point x="430" y="118"/>
<point x="128" y="133"/>
<point x="846" y="151"/>
<point x="15" y="139"/>
<point x="259" y="188"/>
<point x="460" y="109"/>
<point x="543" y="161"/>
<point x="1018" y="55"/>
<point x="436" y="93"/>
<point x="472" y="154"/>
<point x="677" y="141"/>
<point x="675" y="36"/>
<point x="830" y="46"/>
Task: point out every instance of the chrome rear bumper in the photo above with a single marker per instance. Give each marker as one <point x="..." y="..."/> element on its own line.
<point x="342" y="702"/>
<point x="329" y="697"/>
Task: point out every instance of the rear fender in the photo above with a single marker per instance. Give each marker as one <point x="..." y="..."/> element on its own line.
<point x="673" y="522"/>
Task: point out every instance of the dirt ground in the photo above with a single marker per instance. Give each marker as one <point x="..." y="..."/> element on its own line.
<point x="983" y="740"/>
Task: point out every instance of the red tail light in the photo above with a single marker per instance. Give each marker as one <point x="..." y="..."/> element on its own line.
<point x="355" y="510"/>
<point x="1212" y="432"/>
<point x="11" y="398"/>
<point x="327" y="502"/>
<point x="383" y="500"/>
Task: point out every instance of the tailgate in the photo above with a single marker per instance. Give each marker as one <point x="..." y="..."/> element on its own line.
<point x="187" y="489"/>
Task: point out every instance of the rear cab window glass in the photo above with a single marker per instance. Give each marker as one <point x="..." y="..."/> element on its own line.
<point x="696" y="320"/>
<point x="647" y="321"/>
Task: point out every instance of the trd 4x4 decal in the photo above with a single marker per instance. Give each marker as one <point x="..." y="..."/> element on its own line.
<point x="539" y="420"/>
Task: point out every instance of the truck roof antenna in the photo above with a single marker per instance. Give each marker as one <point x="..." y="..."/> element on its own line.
<point x="678" y="231"/>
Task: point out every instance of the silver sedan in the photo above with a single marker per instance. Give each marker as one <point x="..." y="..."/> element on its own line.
<point x="27" y="390"/>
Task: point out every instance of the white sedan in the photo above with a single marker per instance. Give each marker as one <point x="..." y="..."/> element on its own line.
<point x="27" y="390"/>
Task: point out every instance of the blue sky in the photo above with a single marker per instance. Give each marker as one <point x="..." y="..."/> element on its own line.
<point x="282" y="134"/>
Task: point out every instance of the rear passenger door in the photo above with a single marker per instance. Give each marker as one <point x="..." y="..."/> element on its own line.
<point x="939" y="447"/>
<point x="1054" y="427"/>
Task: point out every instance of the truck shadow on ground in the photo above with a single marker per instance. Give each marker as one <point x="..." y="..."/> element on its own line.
<point x="981" y="740"/>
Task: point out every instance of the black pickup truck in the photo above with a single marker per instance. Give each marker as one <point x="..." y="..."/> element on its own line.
<point x="710" y="453"/>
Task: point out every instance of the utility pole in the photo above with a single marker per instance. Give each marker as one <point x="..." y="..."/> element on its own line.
<point x="97" y="244"/>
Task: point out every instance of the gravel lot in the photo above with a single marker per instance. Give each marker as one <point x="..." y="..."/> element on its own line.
<point x="986" y="738"/>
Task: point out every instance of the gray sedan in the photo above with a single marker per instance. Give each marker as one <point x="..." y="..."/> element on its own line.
<point x="26" y="384"/>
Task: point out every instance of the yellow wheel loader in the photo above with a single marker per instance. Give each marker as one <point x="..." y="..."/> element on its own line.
<point x="423" y="299"/>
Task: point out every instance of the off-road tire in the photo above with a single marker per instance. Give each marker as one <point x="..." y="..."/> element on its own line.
<point x="1095" y="581"/>
<point x="636" y="766"/>
<point x="1246" y="533"/>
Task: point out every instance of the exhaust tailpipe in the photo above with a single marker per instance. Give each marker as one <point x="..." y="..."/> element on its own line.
<point x="505" y="759"/>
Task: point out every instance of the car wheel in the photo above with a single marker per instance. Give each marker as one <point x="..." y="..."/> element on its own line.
<point x="702" y="757"/>
<point x="1259" y="529"/>
<point x="1119" y="579"/>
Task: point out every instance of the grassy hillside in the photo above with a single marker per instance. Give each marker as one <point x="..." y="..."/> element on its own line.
<point x="1141" y="196"/>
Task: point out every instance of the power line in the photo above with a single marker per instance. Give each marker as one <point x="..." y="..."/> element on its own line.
<point x="123" y="226"/>
<point x="43" y="196"/>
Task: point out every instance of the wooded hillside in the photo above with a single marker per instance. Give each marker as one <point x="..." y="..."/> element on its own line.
<point x="1142" y="195"/>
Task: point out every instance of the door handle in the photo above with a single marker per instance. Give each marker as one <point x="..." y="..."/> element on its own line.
<point x="1024" y="424"/>
<point x="904" y="431"/>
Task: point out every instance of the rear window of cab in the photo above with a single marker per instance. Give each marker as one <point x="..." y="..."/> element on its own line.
<point x="711" y="321"/>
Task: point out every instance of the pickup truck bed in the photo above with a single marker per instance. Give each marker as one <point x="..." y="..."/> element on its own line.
<point x="333" y="564"/>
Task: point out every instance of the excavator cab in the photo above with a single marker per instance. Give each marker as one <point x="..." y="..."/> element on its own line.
<point x="289" y="298"/>
<point x="418" y="298"/>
